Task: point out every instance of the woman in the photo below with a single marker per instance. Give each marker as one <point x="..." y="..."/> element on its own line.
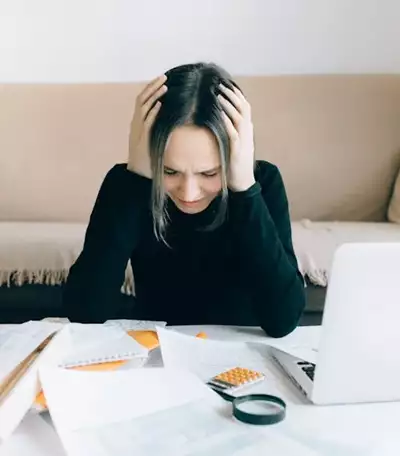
<point x="206" y="228"/>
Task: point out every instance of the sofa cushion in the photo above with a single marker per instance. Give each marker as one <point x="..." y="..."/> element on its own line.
<point x="38" y="252"/>
<point x="42" y="253"/>
<point x="394" y="206"/>
<point x="316" y="242"/>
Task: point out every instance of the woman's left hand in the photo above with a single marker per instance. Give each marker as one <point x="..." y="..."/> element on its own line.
<point x="237" y="116"/>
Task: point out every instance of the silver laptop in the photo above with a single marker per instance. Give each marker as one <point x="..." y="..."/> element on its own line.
<point x="358" y="356"/>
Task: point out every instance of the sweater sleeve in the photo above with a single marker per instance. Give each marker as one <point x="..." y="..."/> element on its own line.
<point x="260" y="221"/>
<point x="93" y="286"/>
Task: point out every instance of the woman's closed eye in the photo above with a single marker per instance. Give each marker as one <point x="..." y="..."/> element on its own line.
<point x="172" y="172"/>
<point x="169" y="172"/>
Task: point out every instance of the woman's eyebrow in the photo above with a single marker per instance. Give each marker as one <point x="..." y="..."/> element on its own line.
<point x="211" y="170"/>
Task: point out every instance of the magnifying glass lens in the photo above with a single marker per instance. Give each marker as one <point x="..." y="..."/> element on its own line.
<point x="259" y="407"/>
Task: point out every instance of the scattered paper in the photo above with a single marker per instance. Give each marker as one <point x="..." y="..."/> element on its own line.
<point x="33" y="437"/>
<point x="19" y="400"/>
<point x="62" y="320"/>
<point x="20" y="341"/>
<point x="89" y="335"/>
<point x="303" y="342"/>
<point x="136" y="325"/>
<point x="147" y="412"/>
<point x="5" y="333"/>
<point x="345" y="430"/>
<point x="206" y="358"/>
<point x="96" y="343"/>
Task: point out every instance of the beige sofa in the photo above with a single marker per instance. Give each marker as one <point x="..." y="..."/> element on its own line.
<point x="336" y="140"/>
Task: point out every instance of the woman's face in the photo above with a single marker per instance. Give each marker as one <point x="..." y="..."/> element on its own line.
<point x="192" y="168"/>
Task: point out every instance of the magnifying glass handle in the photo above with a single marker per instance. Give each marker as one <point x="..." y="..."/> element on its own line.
<point x="225" y="396"/>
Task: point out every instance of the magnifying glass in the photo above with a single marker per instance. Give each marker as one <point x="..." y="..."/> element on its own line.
<point x="257" y="408"/>
<point x="250" y="408"/>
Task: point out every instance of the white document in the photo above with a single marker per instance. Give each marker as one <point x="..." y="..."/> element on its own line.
<point x="5" y="333"/>
<point x="96" y="343"/>
<point x="62" y="320"/>
<point x="19" y="400"/>
<point x="149" y="412"/>
<point x="19" y="342"/>
<point x="346" y="430"/>
<point x="89" y="335"/>
<point x="337" y="430"/>
<point x="206" y="358"/>
<point x="136" y="325"/>
<point x="33" y="437"/>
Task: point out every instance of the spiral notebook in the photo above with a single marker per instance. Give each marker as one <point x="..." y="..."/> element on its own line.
<point x="96" y="344"/>
<point x="97" y="348"/>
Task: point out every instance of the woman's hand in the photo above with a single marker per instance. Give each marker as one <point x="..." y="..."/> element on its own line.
<point x="237" y="116"/>
<point x="146" y="109"/>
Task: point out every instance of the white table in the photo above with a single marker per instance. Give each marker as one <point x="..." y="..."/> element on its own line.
<point x="368" y="429"/>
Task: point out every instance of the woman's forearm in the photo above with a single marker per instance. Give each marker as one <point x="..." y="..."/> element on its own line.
<point x="267" y="261"/>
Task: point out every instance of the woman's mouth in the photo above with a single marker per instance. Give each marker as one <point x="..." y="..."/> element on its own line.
<point x="189" y="203"/>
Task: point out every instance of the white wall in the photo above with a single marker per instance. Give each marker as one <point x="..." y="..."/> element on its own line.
<point x="125" y="40"/>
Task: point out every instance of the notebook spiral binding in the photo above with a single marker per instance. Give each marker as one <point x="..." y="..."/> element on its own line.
<point x="103" y="359"/>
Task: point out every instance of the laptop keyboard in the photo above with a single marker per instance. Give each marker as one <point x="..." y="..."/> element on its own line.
<point x="308" y="368"/>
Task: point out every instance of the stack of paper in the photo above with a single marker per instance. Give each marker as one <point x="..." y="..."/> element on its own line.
<point x="18" y="342"/>
<point x="96" y="344"/>
<point x="142" y="331"/>
<point x="136" y="325"/>
<point x="149" y="412"/>
<point x="171" y="411"/>
<point x="75" y="345"/>
<point x="206" y="358"/>
<point x="16" y="345"/>
<point x="33" y="437"/>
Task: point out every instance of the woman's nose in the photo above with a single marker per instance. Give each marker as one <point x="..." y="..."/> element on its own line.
<point x="190" y="190"/>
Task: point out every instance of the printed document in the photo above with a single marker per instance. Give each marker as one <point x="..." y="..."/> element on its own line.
<point x="206" y="358"/>
<point x="21" y="342"/>
<point x="33" y="437"/>
<point x="148" y="412"/>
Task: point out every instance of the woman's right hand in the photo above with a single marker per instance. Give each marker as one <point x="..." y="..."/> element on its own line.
<point x="146" y="109"/>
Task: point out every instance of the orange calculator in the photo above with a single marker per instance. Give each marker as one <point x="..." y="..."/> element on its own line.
<point x="235" y="379"/>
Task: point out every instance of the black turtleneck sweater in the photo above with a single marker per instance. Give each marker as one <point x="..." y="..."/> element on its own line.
<point x="244" y="272"/>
